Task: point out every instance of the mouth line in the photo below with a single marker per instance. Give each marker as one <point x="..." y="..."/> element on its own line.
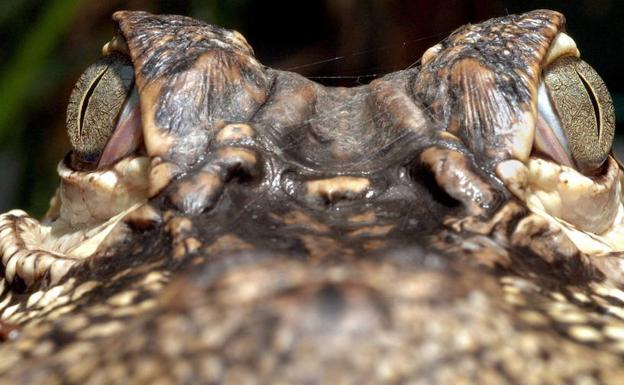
<point x="88" y="209"/>
<point x="588" y="209"/>
<point x="44" y="252"/>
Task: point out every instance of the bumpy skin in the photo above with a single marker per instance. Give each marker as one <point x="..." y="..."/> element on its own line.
<point x="303" y="234"/>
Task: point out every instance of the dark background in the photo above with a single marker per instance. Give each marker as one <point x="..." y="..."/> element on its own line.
<point x="45" y="47"/>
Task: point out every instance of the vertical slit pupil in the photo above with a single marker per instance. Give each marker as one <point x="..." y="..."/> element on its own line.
<point x="85" y="100"/>
<point x="594" y="101"/>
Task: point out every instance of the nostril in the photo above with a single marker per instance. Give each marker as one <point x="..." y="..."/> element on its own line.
<point x="424" y="177"/>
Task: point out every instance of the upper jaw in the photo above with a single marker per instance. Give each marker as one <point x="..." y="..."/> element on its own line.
<point x="93" y="197"/>
<point x="89" y="207"/>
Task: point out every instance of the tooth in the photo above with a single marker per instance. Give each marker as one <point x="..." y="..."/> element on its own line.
<point x="69" y="285"/>
<point x="9" y="269"/>
<point x="34" y="298"/>
<point x="8" y="312"/>
<point x="58" y="270"/>
<point x="83" y="289"/>
<point x="8" y="253"/>
<point x="42" y="265"/>
<point x="50" y="295"/>
<point x="6" y="300"/>
<point x="5" y="232"/>
<point x="26" y="268"/>
<point x="563" y="45"/>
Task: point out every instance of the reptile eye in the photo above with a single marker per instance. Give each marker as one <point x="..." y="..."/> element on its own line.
<point x="576" y="120"/>
<point x="99" y="99"/>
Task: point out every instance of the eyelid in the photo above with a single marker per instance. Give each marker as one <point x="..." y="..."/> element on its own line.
<point x="562" y="45"/>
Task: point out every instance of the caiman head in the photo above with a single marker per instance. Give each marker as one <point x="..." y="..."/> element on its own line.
<point x="176" y="110"/>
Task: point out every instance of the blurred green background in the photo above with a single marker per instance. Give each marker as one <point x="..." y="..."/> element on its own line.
<point x="46" y="46"/>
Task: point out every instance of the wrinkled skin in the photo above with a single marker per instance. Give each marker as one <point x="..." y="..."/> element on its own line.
<point x="283" y="232"/>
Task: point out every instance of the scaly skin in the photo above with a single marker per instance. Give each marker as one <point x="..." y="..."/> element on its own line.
<point x="293" y="233"/>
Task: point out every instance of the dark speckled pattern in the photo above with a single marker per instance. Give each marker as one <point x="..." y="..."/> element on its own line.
<point x="325" y="238"/>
